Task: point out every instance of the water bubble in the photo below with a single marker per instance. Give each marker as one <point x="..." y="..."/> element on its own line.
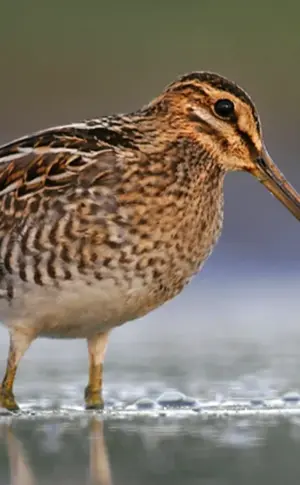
<point x="176" y="400"/>
<point x="291" y="397"/>
<point x="145" y="403"/>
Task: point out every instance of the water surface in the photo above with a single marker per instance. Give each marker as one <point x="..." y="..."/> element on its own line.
<point x="233" y="354"/>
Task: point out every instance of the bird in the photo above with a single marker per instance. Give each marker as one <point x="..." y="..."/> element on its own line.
<point x="104" y="220"/>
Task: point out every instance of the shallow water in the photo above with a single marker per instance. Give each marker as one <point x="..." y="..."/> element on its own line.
<point x="204" y="390"/>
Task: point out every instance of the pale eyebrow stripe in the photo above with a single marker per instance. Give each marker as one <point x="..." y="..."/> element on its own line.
<point x="204" y="115"/>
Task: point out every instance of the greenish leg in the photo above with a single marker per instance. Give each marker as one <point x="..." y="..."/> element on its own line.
<point x="93" y="391"/>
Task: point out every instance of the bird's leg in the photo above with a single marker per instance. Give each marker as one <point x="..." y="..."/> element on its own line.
<point x="19" y="343"/>
<point x="93" y="391"/>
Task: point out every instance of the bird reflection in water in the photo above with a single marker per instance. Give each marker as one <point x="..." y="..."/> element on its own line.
<point x="21" y="472"/>
<point x="100" y="472"/>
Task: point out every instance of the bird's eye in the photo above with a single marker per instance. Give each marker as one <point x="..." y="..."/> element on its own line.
<point x="224" y="108"/>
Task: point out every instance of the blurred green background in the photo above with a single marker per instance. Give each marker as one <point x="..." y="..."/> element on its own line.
<point x="71" y="60"/>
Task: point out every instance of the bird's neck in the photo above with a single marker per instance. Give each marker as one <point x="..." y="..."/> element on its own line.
<point x="201" y="184"/>
<point x="179" y="194"/>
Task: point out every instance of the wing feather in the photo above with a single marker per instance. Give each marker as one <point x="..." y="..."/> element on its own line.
<point x="58" y="206"/>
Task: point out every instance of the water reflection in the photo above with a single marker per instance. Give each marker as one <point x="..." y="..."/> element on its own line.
<point x="22" y="472"/>
<point x="86" y="450"/>
<point x="100" y="473"/>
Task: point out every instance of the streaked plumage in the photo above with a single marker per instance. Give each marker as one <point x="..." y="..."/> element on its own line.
<point x="104" y="220"/>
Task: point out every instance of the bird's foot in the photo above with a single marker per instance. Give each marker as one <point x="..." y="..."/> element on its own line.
<point x="93" y="399"/>
<point x="7" y="400"/>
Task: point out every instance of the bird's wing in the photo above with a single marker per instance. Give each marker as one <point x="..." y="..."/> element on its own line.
<point x="57" y="198"/>
<point x="53" y="164"/>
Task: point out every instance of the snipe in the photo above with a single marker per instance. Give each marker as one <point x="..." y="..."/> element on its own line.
<point x="104" y="220"/>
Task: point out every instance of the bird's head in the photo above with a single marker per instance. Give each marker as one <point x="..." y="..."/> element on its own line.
<point x="222" y="120"/>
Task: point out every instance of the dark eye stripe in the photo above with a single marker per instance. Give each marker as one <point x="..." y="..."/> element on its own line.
<point x="248" y="142"/>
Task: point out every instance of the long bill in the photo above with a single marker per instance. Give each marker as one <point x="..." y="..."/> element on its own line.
<point x="270" y="176"/>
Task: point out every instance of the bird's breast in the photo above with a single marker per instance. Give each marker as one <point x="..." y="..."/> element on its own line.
<point x="110" y="280"/>
<point x="87" y="305"/>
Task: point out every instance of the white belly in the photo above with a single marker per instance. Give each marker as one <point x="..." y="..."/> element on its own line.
<point x="76" y="310"/>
